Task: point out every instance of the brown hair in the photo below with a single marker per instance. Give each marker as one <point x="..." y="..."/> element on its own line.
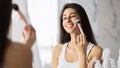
<point x="5" y="16"/>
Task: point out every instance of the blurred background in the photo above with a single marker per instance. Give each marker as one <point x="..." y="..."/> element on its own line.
<point x="44" y="16"/>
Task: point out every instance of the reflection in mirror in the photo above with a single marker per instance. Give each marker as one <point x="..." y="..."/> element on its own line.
<point x="104" y="19"/>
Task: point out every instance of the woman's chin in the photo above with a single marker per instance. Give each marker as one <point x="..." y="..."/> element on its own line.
<point x="69" y="31"/>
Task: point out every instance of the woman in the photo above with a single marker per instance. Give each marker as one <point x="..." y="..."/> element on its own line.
<point x="78" y="46"/>
<point x="13" y="54"/>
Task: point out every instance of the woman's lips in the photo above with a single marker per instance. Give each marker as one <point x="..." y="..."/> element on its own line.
<point x="69" y="25"/>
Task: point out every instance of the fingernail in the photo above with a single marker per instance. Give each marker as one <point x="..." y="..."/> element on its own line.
<point x="27" y="28"/>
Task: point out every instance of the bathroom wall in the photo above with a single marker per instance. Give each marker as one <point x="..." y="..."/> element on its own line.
<point x="109" y="25"/>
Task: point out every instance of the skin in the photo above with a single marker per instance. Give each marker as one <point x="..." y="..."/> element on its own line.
<point x="19" y="55"/>
<point x="76" y="49"/>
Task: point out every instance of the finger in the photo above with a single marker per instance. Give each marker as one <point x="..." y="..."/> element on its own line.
<point x="80" y="29"/>
<point x="77" y="39"/>
<point x="27" y="31"/>
<point x="81" y="40"/>
<point x="27" y="28"/>
<point x="32" y="33"/>
<point x="23" y="35"/>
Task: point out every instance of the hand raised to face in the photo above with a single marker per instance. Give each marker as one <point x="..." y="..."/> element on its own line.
<point x="29" y="35"/>
<point x="81" y="39"/>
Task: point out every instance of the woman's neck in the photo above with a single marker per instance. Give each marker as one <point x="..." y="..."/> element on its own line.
<point x="74" y="36"/>
<point x="72" y="42"/>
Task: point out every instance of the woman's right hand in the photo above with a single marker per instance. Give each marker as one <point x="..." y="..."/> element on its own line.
<point x="81" y="41"/>
<point x="29" y="35"/>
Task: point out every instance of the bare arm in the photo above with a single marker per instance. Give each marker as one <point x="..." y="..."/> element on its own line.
<point x="55" y="56"/>
<point x="82" y="63"/>
<point x="96" y="53"/>
<point x="82" y="46"/>
<point x="18" y="56"/>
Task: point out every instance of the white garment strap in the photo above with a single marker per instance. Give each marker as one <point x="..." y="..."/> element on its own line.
<point x="89" y="47"/>
<point x="63" y="51"/>
<point x="64" y="48"/>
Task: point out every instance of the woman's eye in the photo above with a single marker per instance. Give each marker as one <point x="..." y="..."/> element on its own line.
<point x="73" y="16"/>
<point x="64" y="18"/>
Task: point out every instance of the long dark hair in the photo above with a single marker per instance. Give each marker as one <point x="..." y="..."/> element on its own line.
<point x="64" y="36"/>
<point x="5" y="16"/>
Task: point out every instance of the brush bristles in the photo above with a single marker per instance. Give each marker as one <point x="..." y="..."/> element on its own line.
<point x="78" y="21"/>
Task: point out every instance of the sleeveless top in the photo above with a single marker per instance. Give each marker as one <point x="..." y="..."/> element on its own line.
<point x="62" y="63"/>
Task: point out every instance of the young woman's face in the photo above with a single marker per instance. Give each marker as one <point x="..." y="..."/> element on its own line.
<point x="69" y="20"/>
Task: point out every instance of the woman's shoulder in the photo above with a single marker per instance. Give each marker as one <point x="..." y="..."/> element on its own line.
<point x="97" y="51"/>
<point x="57" y="49"/>
<point x="17" y="53"/>
<point x="17" y="47"/>
<point x="58" y="46"/>
<point x="97" y="48"/>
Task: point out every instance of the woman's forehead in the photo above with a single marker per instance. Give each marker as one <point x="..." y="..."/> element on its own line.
<point x="69" y="11"/>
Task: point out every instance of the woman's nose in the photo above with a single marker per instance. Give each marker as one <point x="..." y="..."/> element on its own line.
<point x="69" y="19"/>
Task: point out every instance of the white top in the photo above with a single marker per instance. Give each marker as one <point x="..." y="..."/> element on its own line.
<point x="62" y="63"/>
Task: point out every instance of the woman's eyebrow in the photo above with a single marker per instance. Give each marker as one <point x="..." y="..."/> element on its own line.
<point x="73" y="13"/>
<point x="70" y="13"/>
<point x="63" y="15"/>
